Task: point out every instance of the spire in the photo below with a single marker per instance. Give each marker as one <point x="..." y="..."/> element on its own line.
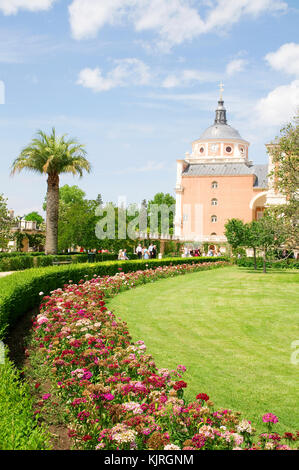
<point x="221" y="111"/>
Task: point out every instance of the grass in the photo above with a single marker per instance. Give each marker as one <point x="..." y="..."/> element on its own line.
<point x="232" y="328"/>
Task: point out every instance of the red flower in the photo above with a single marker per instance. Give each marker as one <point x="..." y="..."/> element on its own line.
<point x="86" y="438"/>
<point x="37" y="385"/>
<point x="179" y="385"/>
<point x="203" y="396"/>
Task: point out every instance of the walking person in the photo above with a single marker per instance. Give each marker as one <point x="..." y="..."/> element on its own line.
<point x="139" y="251"/>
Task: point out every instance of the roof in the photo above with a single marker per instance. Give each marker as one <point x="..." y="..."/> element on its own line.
<point x="220" y="131"/>
<point x="261" y="173"/>
<point x="230" y="169"/>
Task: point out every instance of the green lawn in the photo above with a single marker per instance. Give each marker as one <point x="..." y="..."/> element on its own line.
<point x="232" y="328"/>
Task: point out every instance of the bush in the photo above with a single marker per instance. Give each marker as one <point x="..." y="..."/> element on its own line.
<point x="19" y="428"/>
<point x="286" y="264"/>
<point x="22" y="261"/>
<point x="16" y="263"/>
<point x="20" y="292"/>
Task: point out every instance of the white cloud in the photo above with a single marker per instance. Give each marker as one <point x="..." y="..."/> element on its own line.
<point x="235" y="66"/>
<point x="280" y="105"/>
<point x="175" y="21"/>
<point x="126" y="72"/>
<point x="187" y="77"/>
<point x="285" y="59"/>
<point x="11" y="7"/>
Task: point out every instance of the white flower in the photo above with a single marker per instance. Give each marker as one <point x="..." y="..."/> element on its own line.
<point x="171" y="447"/>
<point x="41" y="293"/>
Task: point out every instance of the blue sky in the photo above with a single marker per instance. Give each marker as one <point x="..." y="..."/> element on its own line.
<point x="137" y="82"/>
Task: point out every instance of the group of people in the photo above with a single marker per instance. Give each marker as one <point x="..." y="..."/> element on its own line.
<point x="146" y="253"/>
<point x="187" y="253"/>
<point x="122" y="255"/>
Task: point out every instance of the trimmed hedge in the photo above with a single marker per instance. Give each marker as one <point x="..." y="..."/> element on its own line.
<point x="19" y="429"/>
<point x="20" y="292"/>
<point x="22" y="261"/>
<point x="276" y="264"/>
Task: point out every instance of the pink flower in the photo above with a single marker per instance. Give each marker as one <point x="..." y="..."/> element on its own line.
<point x="108" y="396"/>
<point x="46" y="396"/>
<point x="270" y="418"/>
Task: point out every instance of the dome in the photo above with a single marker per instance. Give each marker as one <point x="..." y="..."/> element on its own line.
<point x="220" y="131"/>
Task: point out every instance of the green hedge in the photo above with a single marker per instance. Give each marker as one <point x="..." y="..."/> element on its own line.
<point x="19" y="428"/>
<point x="20" y="261"/>
<point x="19" y="292"/>
<point x="286" y="264"/>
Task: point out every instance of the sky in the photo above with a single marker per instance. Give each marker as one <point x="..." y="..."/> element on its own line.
<point x="137" y="81"/>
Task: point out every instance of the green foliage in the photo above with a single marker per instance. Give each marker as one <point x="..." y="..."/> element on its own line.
<point x="19" y="429"/>
<point x="35" y="217"/>
<point x="284" y="264"/>
<point x="5" y="223"/>
<point x="20" y="292"/>
<point x="168" y="201"/>
<point x="235" y="233"/>
<point x="16" y="263"/>
<point x="285" y="156"/>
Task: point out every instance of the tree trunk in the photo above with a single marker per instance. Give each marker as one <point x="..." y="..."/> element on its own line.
<point x="52" y="215"/>
<point x="254" y="255"/>
<point x="265" y="260"/>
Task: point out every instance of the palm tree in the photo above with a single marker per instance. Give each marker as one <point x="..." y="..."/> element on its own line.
<point x="52" y="156"/>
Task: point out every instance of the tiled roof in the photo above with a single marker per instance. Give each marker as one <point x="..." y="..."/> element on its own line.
<point x="230" y="169"/>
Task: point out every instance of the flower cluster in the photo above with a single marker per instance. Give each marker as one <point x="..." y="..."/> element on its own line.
<point x="110" y="388"/>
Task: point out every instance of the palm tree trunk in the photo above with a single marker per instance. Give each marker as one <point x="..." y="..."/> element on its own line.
<point x="52" y="215"/>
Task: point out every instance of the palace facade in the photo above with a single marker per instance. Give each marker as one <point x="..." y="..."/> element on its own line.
<point x="217" y="182"/>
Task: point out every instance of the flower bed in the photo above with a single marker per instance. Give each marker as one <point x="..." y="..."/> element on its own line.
<point x="110" y="389"/>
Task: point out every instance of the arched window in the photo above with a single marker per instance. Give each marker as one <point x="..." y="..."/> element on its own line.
<point x="213" y="234"/>
<point x="214" y="202"/>
<point x="214" y="219"/>
<point x="214" y="185"/>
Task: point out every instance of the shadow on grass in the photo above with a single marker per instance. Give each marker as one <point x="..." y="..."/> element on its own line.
<point x="269" y="271"/>
<point x="17" y="338"/>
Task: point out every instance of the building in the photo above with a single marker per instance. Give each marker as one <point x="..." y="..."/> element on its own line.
<point x="218" y="182"/>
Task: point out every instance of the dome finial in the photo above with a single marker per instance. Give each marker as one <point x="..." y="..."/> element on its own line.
<point x="221" y="86"/>
<point x="221" y="111"/>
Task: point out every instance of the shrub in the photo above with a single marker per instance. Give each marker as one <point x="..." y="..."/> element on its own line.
<point x="284" y="264"/>
<point x="19" y="428"/>
<point x="16" y="263"/>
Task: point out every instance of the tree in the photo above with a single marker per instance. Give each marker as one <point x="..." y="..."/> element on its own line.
<point x="6" y="223"/>
<point x="34" y="217"/>
<point x="235" y="233"/>
<point x="52" y="156"/>
<point x="272" y="234"/>
<point x="252" y="238"/>
<point x="285" y="155"/>
<point x="166" y="205"/>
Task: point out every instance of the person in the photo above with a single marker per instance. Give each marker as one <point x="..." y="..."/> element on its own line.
<point x="139" y="251"/>
<point x="145" y="253"/>
<point x="150" y="250"/>
<point x="154" y="252"/>
<point x="120" y="255"/>
<point x="125" y="256"/>
<point x="186" y="252"/>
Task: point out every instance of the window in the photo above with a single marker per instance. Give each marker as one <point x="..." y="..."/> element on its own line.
<point x="228" y="149"/>
<point x="214" y="202"/>
<point x="214" y="219"/>
<point x="213" y="234"/>
<point x="214" y="185"/>
<point x="202" y="149"/>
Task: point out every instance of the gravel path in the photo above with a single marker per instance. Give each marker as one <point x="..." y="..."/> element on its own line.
<point x="5" y="274"/>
